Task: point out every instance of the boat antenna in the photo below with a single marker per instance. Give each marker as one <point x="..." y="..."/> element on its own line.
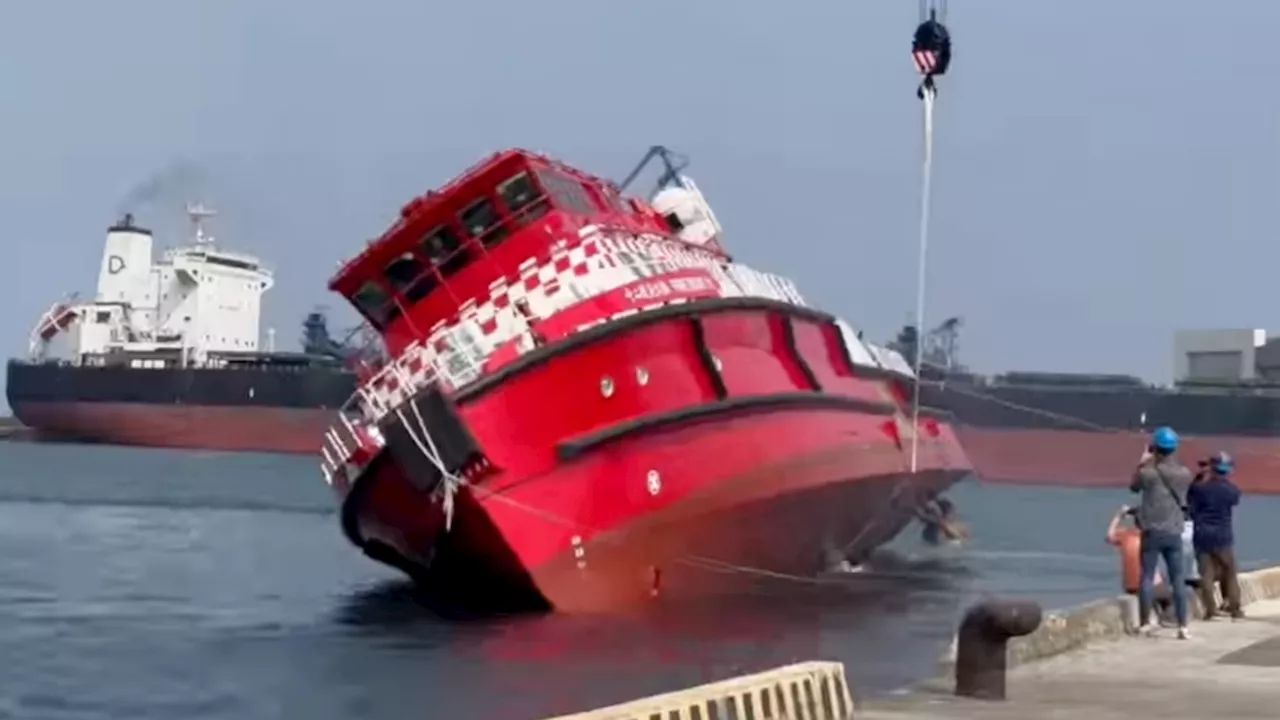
<point x="672" y="165"/>
<point x="197" y="213"/>
<point x="931" y="55"/>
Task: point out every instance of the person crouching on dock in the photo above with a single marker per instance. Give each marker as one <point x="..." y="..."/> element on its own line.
<point x="1162" y="482"/>
<point x="1212" y="500"/>
<point x="1124" y="535"/>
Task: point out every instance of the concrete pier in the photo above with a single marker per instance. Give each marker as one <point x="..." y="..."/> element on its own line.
<point x="1227" y="669"/>
<point x="1080" y="663"/>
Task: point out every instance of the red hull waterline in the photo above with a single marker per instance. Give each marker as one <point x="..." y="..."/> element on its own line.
<point x="688" y="478"/>
<point x="1105" y="459"/>
<point x="195" y="427"/>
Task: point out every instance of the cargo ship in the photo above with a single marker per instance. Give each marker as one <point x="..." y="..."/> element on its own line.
<point x="167" y="354"/>
<point x="1089" y="429"/>
<point x="591" y="405"/>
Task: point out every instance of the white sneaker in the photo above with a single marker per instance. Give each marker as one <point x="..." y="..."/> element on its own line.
<point x="1150" y="629"/>
<point x="1184" y="633"/>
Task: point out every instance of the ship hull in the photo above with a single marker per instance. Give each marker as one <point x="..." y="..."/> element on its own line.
<point x="254" y="409"/>
<point x="196" y="427"/>
<point x="1105" y="459"/>
<point x="722" y="491"/>
<point x="1093" y="437"/>
<point x="782" y="497"/>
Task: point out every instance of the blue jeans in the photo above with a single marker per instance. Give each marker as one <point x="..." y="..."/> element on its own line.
<point x="1155" y="545"/>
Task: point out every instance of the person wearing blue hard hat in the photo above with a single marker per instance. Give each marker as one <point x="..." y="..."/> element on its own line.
<point x="1212" y="500"/>
<point x="1162" y="482"/>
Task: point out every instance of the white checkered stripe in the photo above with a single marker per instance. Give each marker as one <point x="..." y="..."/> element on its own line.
<point x="569" y="271"/>
<point x="589" y="263"/>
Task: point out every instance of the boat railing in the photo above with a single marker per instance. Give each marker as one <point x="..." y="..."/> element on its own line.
<point x="453" y="356"/>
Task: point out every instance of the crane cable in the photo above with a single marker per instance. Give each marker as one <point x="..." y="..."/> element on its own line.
<point x="931" y="55"/>
<point x="928" y="93"/>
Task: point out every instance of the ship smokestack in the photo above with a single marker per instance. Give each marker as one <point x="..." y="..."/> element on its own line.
<point x="126" y="264"/>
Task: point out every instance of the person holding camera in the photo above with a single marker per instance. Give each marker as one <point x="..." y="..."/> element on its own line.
<point x="1162" y="482"/>
<point x="1212" y="500"/>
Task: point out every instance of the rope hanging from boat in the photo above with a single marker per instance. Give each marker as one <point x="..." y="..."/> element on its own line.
<point x="449" y="483"/>
<point x="931" y="54"/>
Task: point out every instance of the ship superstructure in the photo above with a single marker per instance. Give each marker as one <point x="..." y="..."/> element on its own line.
<point x="192" y="307"/>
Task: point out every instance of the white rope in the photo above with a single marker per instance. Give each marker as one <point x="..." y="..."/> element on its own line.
<point x="928" y="95"/>
<point x="427" y="447"/>
<point x="449" y="482"/>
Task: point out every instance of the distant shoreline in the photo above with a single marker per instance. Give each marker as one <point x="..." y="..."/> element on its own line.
<point x="12" y="429"/>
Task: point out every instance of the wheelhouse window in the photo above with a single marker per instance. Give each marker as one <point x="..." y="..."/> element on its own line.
<point x="442" y="247"/>
<point x="522" y="198"/>
<point x="410" y="277"/>
<point x="403" y="270"/>
<point x="420" y="287"/>
<point x="374" y="303"/>
<point x="439" y="244"/>
<point x="482" y="222"/>
<point x="566" y="193"/>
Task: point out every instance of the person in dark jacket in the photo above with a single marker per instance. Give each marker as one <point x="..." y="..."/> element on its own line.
<point x="1211" y="502"/>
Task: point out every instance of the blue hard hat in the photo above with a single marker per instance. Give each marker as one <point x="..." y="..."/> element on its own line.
<point x="1223" y="463"/>
<point x="1164" y="438"/>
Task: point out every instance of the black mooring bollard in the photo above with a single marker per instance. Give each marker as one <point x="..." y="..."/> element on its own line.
<point x="982" y="648"/>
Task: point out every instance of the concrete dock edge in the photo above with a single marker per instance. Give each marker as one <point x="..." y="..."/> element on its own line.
<point x="804" y="691"/>
<point x="819" y="691"/>
<point x="1107" y="619"/>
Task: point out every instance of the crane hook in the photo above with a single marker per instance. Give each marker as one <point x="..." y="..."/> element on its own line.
<point x="930" y="50"/>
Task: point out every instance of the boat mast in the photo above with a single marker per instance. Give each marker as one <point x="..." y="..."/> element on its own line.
<point x="197" y="213"/>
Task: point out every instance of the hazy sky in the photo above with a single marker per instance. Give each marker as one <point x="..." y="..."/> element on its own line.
<point x="1103" y="167"/>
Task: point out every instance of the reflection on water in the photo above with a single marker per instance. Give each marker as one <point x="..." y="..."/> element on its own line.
<point x="864" y="619"/>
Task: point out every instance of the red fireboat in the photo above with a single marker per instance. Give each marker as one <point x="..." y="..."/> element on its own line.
<point x="589" y="404"/>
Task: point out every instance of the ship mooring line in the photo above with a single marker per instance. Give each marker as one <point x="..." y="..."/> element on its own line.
<point x="1030" y="409"/>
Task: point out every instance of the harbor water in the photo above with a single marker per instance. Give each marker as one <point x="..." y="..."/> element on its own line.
<point x="161" y="584"/>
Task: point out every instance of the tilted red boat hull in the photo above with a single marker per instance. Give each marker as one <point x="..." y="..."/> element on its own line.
<point x="197" y="427"/>
<point x="741" y="469"/>
<point x="1105" y="459"/>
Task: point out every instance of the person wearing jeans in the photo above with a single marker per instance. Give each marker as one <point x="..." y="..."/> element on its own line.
<point x="1162" y="482"/>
